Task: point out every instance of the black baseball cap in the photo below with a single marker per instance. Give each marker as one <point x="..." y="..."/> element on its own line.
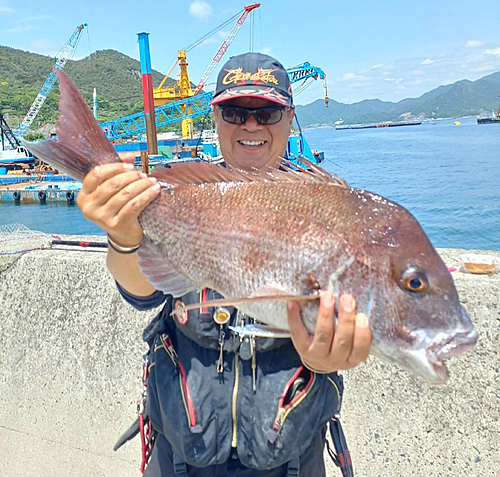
<point x="253" y="74"/>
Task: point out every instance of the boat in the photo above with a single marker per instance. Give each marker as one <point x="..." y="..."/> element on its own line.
<point x="494" y="119"/>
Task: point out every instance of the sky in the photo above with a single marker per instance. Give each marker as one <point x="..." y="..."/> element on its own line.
<point x="385" y="49"/>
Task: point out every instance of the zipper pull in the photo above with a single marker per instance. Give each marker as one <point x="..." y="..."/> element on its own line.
<point x="254" y="364"/>
<point x="221" y="317"/>
<point x="220" y="362"/>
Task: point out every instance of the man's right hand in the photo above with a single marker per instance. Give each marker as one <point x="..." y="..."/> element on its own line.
<point x="113" y="195"/>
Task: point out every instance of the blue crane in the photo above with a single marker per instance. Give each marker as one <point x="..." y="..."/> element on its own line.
<point x="66" y="53"/>
<point x="176" y="111"/>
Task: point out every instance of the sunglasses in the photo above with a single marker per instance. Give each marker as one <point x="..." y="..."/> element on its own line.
<point x="264" y="116"/>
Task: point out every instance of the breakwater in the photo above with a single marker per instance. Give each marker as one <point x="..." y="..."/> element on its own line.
<point x="70" y="376"/>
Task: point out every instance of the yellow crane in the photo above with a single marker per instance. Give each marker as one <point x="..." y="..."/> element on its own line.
<point x="182" y="89"/>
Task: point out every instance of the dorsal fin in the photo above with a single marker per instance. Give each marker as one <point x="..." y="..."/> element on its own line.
<point x="195" y="173"/>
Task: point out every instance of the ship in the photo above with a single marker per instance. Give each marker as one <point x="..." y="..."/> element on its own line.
<point x="494" y="119"/>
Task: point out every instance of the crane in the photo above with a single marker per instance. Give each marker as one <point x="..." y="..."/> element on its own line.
<point x="192" y="107"/>
<point x="225" y="45"/>
<point x="66" y="53"/>
<point x="306" y="71"/>
<point x="182" y="88"/>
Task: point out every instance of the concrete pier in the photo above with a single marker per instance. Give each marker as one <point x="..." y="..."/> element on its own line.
<point x="71" y="355"/>
<point x="39" y="192"/>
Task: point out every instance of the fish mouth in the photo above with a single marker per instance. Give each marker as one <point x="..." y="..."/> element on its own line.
<point x="444" y="349"/>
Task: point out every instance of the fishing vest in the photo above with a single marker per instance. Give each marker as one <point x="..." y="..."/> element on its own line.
<point x="210" y="403"/>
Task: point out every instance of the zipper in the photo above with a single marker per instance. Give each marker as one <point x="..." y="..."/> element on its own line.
<point x="234" y="440"/>
<point x="334" y="384"/>
<point x="285" y="409"/>
<point x="185" y="393"/>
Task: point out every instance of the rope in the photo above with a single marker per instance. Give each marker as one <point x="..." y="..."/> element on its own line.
<point x="210" y="33"/>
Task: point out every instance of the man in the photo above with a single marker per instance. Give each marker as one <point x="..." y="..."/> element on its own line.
<point x="222" y="404"/>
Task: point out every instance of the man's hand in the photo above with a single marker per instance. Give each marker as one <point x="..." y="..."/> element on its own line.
<point x="113" y="195"/>
<point x="331" y="349"/>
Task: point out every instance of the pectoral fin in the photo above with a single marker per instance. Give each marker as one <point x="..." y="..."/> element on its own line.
<point x="160" y="275"/>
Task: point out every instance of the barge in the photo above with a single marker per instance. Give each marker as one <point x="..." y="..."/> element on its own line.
<point x="380" y="125"/>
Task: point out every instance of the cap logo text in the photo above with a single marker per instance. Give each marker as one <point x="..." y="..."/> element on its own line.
<point x="239" y="76"/>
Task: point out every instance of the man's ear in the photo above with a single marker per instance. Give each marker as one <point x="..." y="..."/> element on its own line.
<point x="292" y="115"/>
<point x="216" y="116"/>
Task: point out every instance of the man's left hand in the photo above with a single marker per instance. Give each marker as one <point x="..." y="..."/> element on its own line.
<point x="331" y="349"/>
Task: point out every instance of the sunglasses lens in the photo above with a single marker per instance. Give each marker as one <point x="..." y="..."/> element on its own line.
<point x="235" y="115"/>
<point x="265" y="116"/>
<point x="269" y="115"/>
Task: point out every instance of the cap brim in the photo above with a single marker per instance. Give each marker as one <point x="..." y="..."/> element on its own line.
<point x="270" y="94"/>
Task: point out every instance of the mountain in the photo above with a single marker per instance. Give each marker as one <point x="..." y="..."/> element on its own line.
<point x="117" y="78"/>
<point x="463" y="98"/>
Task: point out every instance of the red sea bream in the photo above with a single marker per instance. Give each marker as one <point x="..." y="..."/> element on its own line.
<point x="261" y="238"/>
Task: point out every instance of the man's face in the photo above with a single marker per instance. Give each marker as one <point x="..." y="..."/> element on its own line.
<point x="252" y="145"/>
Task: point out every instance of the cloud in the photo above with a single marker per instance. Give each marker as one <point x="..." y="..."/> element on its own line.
<point x="44" y="47"/>
<point x="351" y="77"/>
<point x="483" y="69"/>
<point x="418" y="73"/>
<point x="393" y="80"/>
<point x="200" y="9"/>
<point x="267" y="50"/>
<point x="6" y="9"/>
<point x="377" y="67"/>
<point x="495" y="52"/>
<point x="18" y="29"/>
<point x="474" y="44"/>
<point x="428" y="61"/>
<point x="33" y="19"/>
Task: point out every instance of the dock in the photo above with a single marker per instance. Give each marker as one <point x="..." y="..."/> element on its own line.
<point x="33" y="192"/>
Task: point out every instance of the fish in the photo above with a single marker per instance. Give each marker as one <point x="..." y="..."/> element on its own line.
<point x="262" y="238"/>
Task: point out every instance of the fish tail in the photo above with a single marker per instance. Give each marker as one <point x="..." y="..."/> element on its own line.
<point x="81" y="144"/>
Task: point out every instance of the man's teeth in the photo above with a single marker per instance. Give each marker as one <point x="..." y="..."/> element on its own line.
<point x="252" y="143"/>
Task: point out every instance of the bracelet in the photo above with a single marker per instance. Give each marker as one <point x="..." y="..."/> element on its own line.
<point x="123" y="250"/>
<point x="314" y="370"/>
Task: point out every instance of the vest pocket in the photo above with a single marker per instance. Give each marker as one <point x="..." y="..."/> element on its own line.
<point x="294" y="393"/>
<point x="181" y="404"/>
<point x="290" y="406"/>
<point x="166" y="343"/>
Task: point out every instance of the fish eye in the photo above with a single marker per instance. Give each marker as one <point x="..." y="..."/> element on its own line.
<point x="414" y="279"/>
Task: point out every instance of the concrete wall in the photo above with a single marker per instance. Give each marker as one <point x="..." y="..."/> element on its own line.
<point x="70" y="375"/>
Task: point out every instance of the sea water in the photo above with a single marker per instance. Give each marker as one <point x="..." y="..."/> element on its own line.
<point x="446" y="175"/>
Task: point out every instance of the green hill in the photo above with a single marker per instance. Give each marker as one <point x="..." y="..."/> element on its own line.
<point x="463" y="98"/>
<point x="117" y="78"/>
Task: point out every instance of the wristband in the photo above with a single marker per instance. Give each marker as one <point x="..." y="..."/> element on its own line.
<point x="123" y="250"/>
<point x="315" y="370"/>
